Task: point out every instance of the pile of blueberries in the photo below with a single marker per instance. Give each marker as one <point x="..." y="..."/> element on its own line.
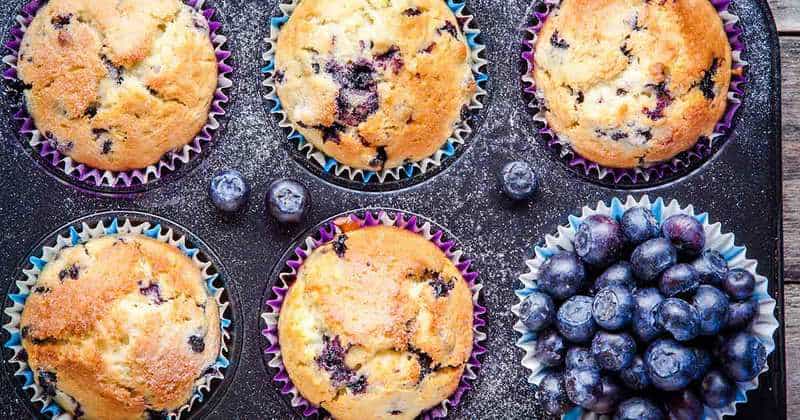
<point x="641" y="322"/>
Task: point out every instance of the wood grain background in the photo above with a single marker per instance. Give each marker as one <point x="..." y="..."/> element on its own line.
<point x="787" y="18"/>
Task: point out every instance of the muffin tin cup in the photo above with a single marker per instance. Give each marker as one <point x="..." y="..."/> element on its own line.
<point x="763" y="326"/>
<point x="114" y="183"/>
<point x="207" y="387"/>
<point x="286" y="273"/>
<point x="656" y="173"/>
<point x="402" y="176"/>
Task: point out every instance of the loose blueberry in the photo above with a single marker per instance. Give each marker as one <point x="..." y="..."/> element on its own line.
<point x="739" y="284"/>
<point x="288" y="201"/>
<point x="553" y="395"/>
<point x="518" y="181"/>
<point x="638" y="409"/>
<point x="562" y="276"/>
<point x="612" y="351"/>
<point x="684" y="406"/>
<point x="613" y="307"/>
<point x="584" y="386"/>
<point x="680" y="279"/>
<point x="229" y="190"/>
<point x="537" y="311"/>
<point x="711" y="267"/>
<point x="610" y="396"/>
<point x="598" y="241"/>
<point x="651" y="258"/>
<point x="550" y="348"/>
<point x="717" y="390"/>
<point x="644" y="322"/>
<point x="639" y="225"/>
<point x="740" y="314"/>
<point x="635" y="376"/>
<point x="712" y="305"/>
<point x="678" y="318"/>
<point x="574" y="319"/>
<point x="581" y="358"/>
<point x="619" y="274"/>
<point x="669" y="364"/>
<point x="685" y="233"/>
<point x="743" y="357"/>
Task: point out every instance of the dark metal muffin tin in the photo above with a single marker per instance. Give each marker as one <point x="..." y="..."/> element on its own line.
<point x="739" y="187"/>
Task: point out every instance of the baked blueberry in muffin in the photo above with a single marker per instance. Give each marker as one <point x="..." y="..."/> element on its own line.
<point x="632" y="82"/>
<point x="378" y="325"/>
<point x="120" y="327"/>
<point x="374" y="84"/>
<point x="116" y="85"/>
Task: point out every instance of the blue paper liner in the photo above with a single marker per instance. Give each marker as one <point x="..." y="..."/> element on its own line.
<point x="77" y="233"/>
<point x="330" y="165"/>
<point x="763" y="326"/>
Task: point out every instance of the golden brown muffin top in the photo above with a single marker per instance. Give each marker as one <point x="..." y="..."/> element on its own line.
<point x="633" y="82"/>
<point x="374" y="83"/>
<point x="378" y="324"/>
<point x="118" y="84"/>
<point x="122" y="325"/>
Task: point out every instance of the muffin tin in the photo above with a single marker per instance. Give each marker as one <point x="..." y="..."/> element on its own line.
<point x="740" y="186"/>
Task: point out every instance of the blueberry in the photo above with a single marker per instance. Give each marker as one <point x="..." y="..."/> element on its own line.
<point x="518" y="180"/>
<point x="584" y="386"/>
<point x="677" y="280"/>
<point x="598" y="241"/>
<point x="229" y="190"/>
<point x="638" y="409"/>
<point x="635" y="376"/>
<point x="711" y="267"/>
<point x="678" y="318"/>
<point x="717" y="390"/>
<point x="552" y="394"/>
<point x="739" y="284"/>
<point x="651" y="258"/>
<point x="288" y="201"/>
<point x="619" y="274"/>
<point x="702" y="363"/>
<point x="48" y="380"/>
<point x="613" y="307"/>
<point x="685" y="233"/>
<point x="644" y="322"/>
<point x="712" y="305"/>
<point x="684" y="406"/>
<point x="197" y="343"/>
<point x="562" y="276"/>
<point x="639" y="225"/>
<point x="669" y="364"/>
<point x="610" y="396"/>
<point x="574" y="319"/>
<point x="740" y="314"/>
<point x="743" y="356"/>
<point x="613" y="351"/>
<point x="580" y="358"/>
<point x="537" y="311"/>
<point x="550" y="348"/>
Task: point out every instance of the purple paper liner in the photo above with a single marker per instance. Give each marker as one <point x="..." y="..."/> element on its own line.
<point x="325" y="234"/>
<point x="103" y="179"/>
<point x="680" y="164"/>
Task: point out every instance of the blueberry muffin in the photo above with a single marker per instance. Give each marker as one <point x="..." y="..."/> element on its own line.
<point x="633" y="82"/>
<point x="117" y="84"/>
<point x="374" y="83"/>
<point x="377" y="325"/>
<point x="120" y="327"/>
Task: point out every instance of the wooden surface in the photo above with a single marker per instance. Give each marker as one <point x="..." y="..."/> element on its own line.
<point x="787" y="17"/>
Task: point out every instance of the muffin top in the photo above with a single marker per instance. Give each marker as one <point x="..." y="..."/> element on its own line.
<point x="374" y="84"/>
<point x="120" y="327"/>
<point x="378" y="325"/>
<point x="633" y="82"/>
<point x="117" y="84"/>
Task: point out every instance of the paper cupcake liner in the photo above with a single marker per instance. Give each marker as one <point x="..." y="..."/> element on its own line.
<point x="104" y="180"/>
<point x="763" y="326"/>
<point x="81" y="233"/>
<point x="326" y="233"/>
<point x="330" y="165"/>
<point x="655" y="173"/>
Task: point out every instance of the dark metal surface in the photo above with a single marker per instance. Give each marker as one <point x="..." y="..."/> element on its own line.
<point x="740" y="187"/>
